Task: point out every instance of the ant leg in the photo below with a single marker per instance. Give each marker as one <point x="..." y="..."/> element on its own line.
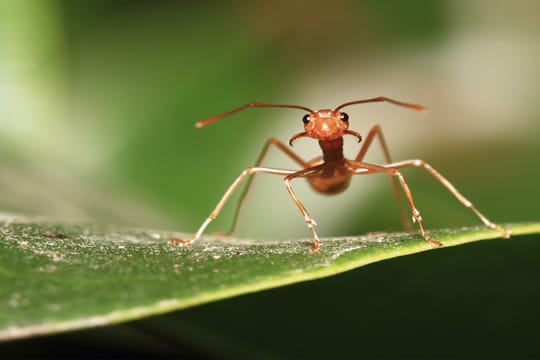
<point x="364" y="169"/>
<point x="309" y="220"/>
<point x="376" y="130"/>
<point x="462" y="199"/>
<point x="227" y="195"/>
<point x="245" y="192"/>
<point x="416" y="214"/>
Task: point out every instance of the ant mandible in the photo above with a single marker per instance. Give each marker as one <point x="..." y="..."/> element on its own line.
<point x="331" y="173"/>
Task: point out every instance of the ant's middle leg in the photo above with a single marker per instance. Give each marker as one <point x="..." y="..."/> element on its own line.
<point x="376" y="130"/>
<point x="245" y="192"/>
<point x="227" y="195"/>
<point x="462" y="199"/>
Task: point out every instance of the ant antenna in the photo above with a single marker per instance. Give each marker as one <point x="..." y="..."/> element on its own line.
<point x="383" y="98"/>
<point x="215" y="118"/>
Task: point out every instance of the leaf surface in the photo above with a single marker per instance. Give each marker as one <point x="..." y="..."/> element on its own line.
<point x="59" y="277"/>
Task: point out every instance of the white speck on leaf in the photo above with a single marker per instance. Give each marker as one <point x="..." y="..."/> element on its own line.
<point x="344" y="251"/>
<point x="17" y="300"/>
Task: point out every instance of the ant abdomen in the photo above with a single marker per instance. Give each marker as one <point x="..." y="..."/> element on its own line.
<point x="329" y="185"/>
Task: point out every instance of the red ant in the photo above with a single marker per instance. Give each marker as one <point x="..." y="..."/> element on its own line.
<point x="331" y="173"/>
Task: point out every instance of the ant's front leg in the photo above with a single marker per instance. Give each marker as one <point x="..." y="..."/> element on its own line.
<point x="309" y="220"/>
<point x="362" y="168"/>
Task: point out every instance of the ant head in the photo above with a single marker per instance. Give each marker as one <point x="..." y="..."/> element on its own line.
<point x="323" y="125"/>
<point x="326" y="124"/>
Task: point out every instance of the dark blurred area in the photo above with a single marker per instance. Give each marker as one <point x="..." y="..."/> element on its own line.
<point x="97" y="105"/>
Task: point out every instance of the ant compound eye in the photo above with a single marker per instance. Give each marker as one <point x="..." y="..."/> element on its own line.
<point x="306" y="119"/>
<point x="344" y="117"/>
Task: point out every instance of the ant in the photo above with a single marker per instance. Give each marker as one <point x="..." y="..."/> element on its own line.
<point x="331" y="173"/>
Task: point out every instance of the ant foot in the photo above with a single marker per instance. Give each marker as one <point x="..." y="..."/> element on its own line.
<point x="505" y="232"/>
<point x="180" y="242"/>
<point x="315" y="247"/>
<point x="434" y="242"/>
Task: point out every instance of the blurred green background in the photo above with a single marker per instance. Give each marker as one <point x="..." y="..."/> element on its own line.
<point x="97" y="105"/>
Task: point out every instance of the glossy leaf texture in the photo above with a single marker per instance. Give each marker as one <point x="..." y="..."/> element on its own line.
<point x="60" y="277"/>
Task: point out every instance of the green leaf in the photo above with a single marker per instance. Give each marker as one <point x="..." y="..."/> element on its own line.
<point x="59" y="277"/>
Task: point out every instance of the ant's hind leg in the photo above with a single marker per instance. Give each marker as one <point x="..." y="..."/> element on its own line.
<point x="271" y="142"/>
<point x="376" y="130"/>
